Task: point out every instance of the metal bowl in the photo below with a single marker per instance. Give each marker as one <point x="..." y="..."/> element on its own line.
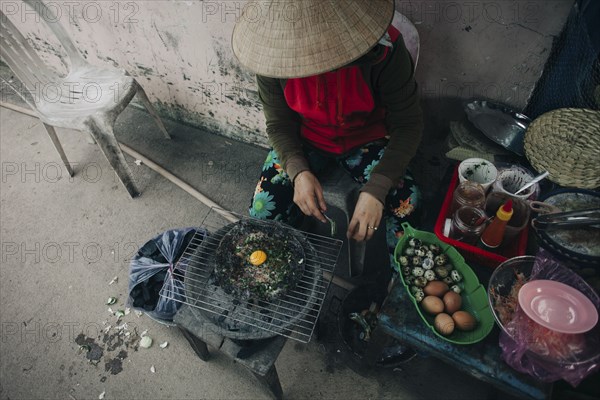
<point x="582" y="244"/>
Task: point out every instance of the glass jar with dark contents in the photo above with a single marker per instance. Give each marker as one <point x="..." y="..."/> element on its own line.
<point x="468" y="223"/>
<point x="468" y="194"/>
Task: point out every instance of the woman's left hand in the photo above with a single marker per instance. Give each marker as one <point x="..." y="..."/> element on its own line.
<point x="366" y="218"/>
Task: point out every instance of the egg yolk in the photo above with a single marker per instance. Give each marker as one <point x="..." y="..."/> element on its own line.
<point x="258" y="257"/>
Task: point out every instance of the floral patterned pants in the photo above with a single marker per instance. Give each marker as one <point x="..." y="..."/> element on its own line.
<point x="273" y="197"/>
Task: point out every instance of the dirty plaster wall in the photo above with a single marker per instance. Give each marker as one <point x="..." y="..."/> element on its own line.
<point x="481" y="49"/>
<point x="180" y="53"/>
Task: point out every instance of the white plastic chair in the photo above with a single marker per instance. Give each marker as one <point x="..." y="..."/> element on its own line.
<point x="88" y="98"/>
<point x="409" y="34"/>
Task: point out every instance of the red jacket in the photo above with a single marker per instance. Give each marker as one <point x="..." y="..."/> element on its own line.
<point x="338" y="108"/>
<point x="374" y="97"/>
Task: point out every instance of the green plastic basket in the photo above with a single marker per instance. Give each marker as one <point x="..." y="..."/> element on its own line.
<point x="474" y="296"/>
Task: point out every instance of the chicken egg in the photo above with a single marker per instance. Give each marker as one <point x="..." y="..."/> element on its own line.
<point x="452" y="302"/>
<point x="444" y="324"/>
<point x="436" y="288"/>
<point x="464" y="321"/>
<point x="433" y="305"/>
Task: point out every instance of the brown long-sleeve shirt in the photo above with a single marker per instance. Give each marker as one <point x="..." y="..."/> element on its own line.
<point x="295" y="113"/>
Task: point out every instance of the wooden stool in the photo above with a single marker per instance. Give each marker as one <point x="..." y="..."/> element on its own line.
<point x="259" y="358"/>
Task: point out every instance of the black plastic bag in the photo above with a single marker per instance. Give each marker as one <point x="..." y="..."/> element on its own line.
<point x="152" y="269"/>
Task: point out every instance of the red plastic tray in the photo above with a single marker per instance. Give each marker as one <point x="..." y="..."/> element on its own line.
<point x="472" y="253"/>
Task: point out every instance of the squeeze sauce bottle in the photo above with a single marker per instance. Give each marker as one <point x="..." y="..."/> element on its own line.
<point x="492" y="235"/>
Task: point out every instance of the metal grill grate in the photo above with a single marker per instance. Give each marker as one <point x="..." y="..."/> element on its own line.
<point x="294" y="315"/>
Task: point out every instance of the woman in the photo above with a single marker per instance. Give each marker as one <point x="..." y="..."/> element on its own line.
<point x="336" y="83"/>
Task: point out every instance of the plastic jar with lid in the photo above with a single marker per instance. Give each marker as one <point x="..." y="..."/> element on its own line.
<point x="468" y="194"/>
<point x="468" y="223"/>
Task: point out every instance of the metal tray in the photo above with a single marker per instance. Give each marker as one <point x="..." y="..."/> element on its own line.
<point x="499" y="123"/>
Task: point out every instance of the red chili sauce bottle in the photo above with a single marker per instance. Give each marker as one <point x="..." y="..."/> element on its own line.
<point x="492" y="235"/>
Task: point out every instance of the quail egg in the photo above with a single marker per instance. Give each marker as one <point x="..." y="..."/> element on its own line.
<point x="441" y="259"/>
<point x="420" y="281"/>
<point x="427" y="263"/>
<point x="435" y="248"/>
<point x="419" y="295"/>
<point x="418" y="271"/>
<point x="403" y="260"/>
<point x="447" y="280"/>
<point x="417" y="261"/>
<point x="406" y="270"/>
<point x="414" y="242"/>
<point x="420" y="251"/>
<point x="414" y="289"/>
<point x="429" y="275"/>
<point x="456" y="276"/>
<point x="441" y="272"/>
<point x="456" y="288"/>
<point x="429" y="254"/>
<point x="409" y="251"/>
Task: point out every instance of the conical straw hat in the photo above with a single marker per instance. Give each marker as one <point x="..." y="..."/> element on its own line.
<point x="298" y="38"/>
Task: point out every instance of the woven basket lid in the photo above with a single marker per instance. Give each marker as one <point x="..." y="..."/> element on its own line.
<point x="566" y="143"/>
<point x="299" y="38"/>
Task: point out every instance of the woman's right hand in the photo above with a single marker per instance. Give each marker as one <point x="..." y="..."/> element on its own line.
<point x="308" y="195"/>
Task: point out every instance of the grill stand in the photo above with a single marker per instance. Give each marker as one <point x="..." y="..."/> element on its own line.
<point x="200" y="333"/>
<point x="294" y="315"/>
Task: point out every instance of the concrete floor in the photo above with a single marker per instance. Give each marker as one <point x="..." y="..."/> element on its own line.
<point x="63" y="241"/>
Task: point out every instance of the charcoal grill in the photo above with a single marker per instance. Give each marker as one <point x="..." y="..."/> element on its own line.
<point x="293" y="315"/>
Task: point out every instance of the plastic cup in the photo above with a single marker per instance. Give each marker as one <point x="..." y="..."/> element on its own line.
<point x="479" y="171"/>
<point x="511" y="180"/>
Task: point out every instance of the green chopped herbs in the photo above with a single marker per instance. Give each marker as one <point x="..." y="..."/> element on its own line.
<point x="268" y="280"/>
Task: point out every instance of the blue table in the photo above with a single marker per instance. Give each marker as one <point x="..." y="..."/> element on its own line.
<point x="399" y="319"/>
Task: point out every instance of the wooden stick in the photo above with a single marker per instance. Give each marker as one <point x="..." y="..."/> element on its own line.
<point x="185" y="186"/>
<point x="20" y="109"/>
